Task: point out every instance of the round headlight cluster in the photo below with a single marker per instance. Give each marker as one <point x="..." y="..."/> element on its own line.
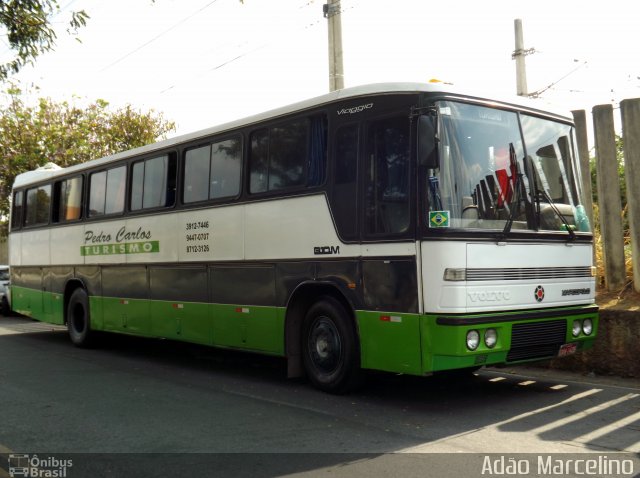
<point x="582" y="326"/>
<point x="473" y="339"/>
<point x="576" y="328"/>
<point x="490" y="339"/>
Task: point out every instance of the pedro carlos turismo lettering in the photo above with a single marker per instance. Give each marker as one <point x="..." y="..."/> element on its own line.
<point x="99" y="243"/>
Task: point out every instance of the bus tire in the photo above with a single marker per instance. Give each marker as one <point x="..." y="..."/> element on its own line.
<point x="330" y="350"/>
<point x="79" y="320"/>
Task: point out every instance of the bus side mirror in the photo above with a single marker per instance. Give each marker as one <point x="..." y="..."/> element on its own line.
<point x="427" y="142"/>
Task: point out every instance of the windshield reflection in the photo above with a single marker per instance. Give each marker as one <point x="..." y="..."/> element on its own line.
<point x="482" y="151"/>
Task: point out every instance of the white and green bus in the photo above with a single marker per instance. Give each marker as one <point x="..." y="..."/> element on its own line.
<point x="407" y="228"/>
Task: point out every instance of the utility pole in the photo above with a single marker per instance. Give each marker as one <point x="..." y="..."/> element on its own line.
<point x="331" y="12"/>
<point x="519" y="55"/>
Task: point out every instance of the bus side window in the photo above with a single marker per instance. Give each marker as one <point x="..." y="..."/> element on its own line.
<point x="106" y="191"/>
<point x="259" y="161"/>
<point x="317" y="162"/>
<point x="16" y="213"/>
<point x="387" y="179"/>
<point x="213" y="171"/>
<point x="226" y="161"/>
<point x="196" y="174"/>
<point x="153" y="183"/>
<point x="345" y="184"/>
<point x="67" y="200"/>
<point x="287" y="153"/>
<point x="38" y="205"/>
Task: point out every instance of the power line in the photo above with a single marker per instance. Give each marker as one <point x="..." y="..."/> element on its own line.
<point x="536" y="94"/>
<point x="310" y="3"/>
<point x="225" y="63"/>
<point x="174" y="26"/>
<point x="232" y="60"/>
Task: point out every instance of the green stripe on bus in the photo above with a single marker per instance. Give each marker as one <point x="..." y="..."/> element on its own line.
<point x="394" y="342"/>
<point x="253" y="328"/>
<point x="390" y="341"/>
<point x="120" y="248"/>
<point x="44" y="306"/>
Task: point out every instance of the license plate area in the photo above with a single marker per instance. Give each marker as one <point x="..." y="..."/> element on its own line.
<point x="567" y="349"/>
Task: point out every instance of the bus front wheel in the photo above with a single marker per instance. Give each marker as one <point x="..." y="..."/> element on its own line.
<point x="78" y="319"/>
<point x="331" y="355"/>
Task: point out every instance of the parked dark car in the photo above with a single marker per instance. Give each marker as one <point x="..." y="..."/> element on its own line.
<point x="5" y="303"/>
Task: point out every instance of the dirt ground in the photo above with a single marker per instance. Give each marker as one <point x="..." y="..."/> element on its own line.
<point x="625" y="299"/>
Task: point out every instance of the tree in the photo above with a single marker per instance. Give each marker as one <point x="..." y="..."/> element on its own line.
<point x="28" y="31"/>
<point x="31" y="136"/>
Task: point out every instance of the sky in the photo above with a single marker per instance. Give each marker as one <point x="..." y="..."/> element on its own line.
<point x="205" y="62"/>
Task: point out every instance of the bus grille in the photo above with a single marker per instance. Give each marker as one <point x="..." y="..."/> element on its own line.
<point x="536" y="340"/>
<point x="528" y="273"/>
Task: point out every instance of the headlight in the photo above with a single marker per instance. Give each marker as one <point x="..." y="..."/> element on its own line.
<point x="490" y="338"/>
<point x="587" y="326"/>
<point x="576" y="328"/>
<point x="455" y="274"/>
<point x="473" y="339"/>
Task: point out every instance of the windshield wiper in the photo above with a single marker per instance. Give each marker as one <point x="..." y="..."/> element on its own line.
<point x="546" y="197"/>
<point x="514" y="204"/>
<point x="517" y="187"/>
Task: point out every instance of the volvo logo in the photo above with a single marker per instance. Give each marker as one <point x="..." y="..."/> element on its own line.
<point x="539" y="293"/>
<point x="490" y="296"/>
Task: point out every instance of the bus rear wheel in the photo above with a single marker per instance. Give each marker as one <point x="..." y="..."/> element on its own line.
<point x="331" y="355"/>
<point x="78" y="319"/>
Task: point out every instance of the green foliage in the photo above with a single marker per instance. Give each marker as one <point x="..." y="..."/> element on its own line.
<point x="26" y="26"/>
<point x="623" y="182"/>
<point x="31" y="136"/>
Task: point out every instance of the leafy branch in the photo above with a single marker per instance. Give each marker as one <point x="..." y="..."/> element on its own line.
<point x="26" y="26"/>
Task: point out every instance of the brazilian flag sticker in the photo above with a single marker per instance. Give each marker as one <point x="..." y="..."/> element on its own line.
<point x="438" y="218"/>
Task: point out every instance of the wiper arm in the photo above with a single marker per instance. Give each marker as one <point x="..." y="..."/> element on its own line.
<point x="568" y="227"/>
<point x="514" y="204"/>
<point x="513" y="164"/>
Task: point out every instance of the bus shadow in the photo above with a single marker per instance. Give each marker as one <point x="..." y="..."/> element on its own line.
<point x="408" y="414"/>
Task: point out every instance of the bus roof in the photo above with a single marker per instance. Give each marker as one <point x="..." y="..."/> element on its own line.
<point x="51" y="170"/>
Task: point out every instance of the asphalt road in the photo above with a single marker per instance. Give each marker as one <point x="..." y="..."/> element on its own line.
<point x="223" y="413"/>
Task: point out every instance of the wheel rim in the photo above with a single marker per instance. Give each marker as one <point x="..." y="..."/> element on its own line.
<point x="325" y="346"/>
<point x="78" y="321"/>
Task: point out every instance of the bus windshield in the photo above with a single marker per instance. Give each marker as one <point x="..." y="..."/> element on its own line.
<point x="503" y="170"/>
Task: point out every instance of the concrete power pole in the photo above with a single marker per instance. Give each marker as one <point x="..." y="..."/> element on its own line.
<point x="608" y="183"/>
<point x="331" y="12"/>
<point x="630" y="110"/>
<point x="519" y="55"/>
